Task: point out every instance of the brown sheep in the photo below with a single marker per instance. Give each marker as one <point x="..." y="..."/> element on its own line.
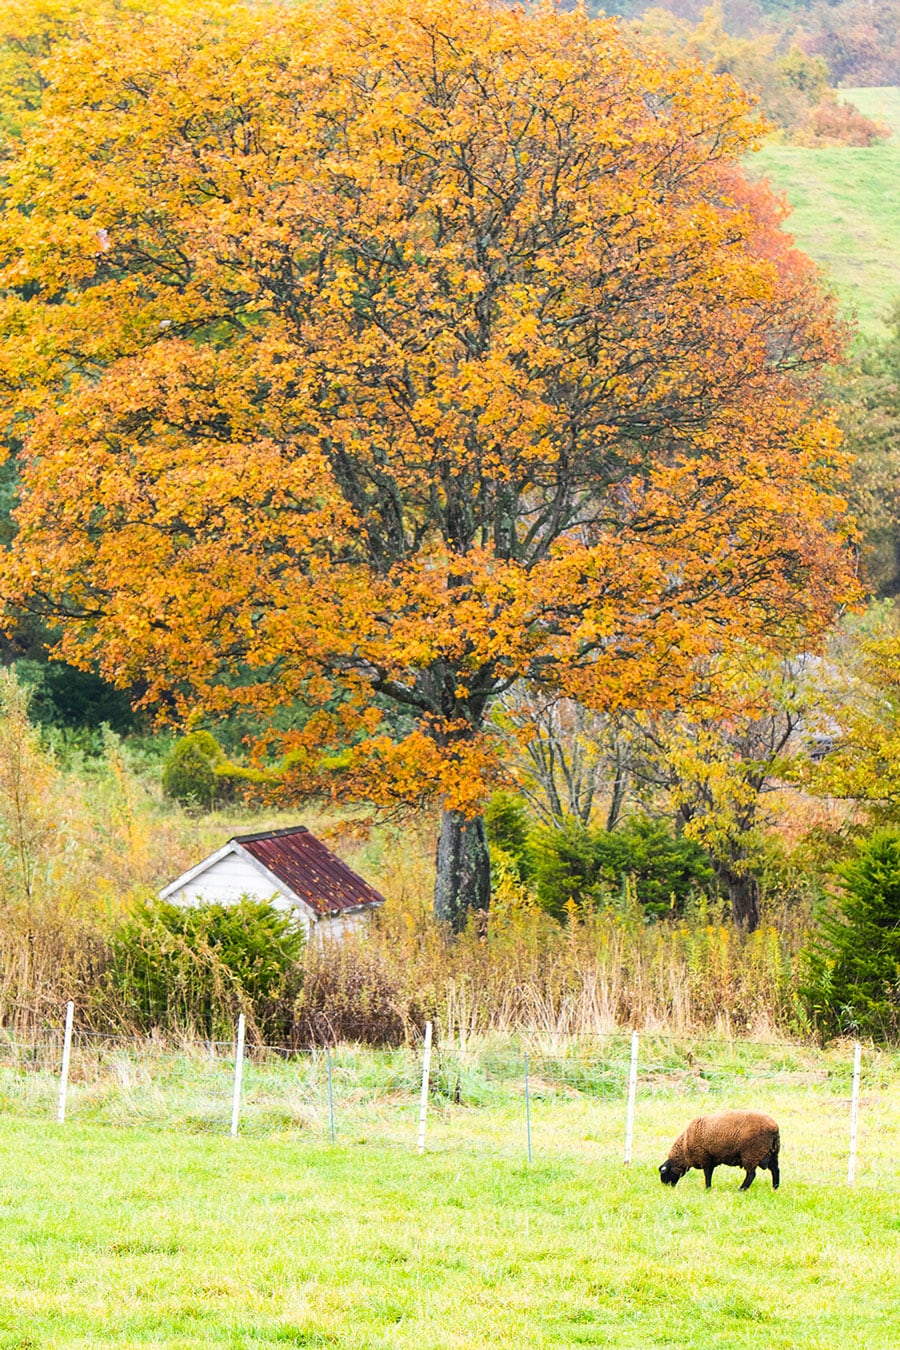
<point x="747" y="1139"/>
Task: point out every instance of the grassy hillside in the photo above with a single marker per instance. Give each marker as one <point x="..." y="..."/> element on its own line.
<point x="846" y="216"/>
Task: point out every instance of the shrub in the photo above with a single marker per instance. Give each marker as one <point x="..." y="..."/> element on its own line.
<point x="833" y="123"/>
<point x="191" y="773"/>
<point x="853" y="964"/>
<point x="198" y="773"/>
<point x="175" y="968"/>
<point x="579" y="863"/>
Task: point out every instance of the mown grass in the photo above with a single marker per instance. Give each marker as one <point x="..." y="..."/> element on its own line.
<point x="846" y="210"/>
<point x="142" y="1236"/>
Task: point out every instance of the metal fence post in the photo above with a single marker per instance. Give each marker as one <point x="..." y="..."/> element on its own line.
<point x="527" y="1111"/>
<point x="632" y="1089"/>
<point x="330" y="1094"/>
<point x="854" y="1113"/>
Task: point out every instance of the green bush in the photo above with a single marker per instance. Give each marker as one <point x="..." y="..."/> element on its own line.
<point x="194" y="968"/>
<point x="192" y="773"/>
<point x="853" y="963"/>
<point x="198" y="773"/>
<point x="580" y="863"/>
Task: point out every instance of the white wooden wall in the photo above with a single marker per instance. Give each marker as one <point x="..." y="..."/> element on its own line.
<point x="334" y="929"/>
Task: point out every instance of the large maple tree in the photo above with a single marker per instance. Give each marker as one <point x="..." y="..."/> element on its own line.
<point x="387" y="353"/>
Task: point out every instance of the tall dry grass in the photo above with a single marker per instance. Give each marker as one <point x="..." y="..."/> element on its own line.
<point x="527" y="975"/>
<point x="76" y="850"/>
<point x="603" y="970"/>
<point x="79" y="849"/>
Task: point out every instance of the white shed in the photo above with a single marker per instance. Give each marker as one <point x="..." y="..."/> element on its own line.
<point x="292" y="870"/>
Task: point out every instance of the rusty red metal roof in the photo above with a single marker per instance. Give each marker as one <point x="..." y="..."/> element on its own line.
<point x="315" y="875"/>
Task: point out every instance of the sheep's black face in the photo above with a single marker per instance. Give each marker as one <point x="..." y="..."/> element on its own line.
<point x="669" y="1174"/>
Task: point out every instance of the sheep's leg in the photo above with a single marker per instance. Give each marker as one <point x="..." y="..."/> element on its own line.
<point x="748" y="1179"/>
<point x="707" y="1173"/>
<point x="770" y="1161"/>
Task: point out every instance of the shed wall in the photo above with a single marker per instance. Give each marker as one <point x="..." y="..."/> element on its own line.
<point x="229" y="880"/>
<point x="338" y="927"/>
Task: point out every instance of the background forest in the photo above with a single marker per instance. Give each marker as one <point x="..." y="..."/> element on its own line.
<point x="724" y="854"/>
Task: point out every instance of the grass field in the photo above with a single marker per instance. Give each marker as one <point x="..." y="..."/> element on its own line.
<point x="846" y="210"/>
<point x="138" y="1235"/>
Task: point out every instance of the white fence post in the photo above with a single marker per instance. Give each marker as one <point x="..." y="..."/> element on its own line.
<point x="423" y="1103"/>
<point x="527" y="1112"/>
<point x="67" y="1055"/>
<point x="854" y="1113"/>
<point x="238" y="1076"/>
<point x="330" y="1094"/>
<point x="632" y="1089"/>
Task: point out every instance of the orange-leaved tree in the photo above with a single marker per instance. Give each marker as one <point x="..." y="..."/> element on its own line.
<point x="388" y="354"/>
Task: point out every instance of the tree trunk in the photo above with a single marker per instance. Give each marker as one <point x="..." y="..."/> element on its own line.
<point x="743" y="893"/>
<point x="463" y="881"/>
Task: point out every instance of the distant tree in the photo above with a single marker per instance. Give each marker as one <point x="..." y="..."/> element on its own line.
<point x="864" y="764"/>
<point x="714" y="771"/>
<point x="64" y="696"/>
<point x="407" y="354"/>
<point x="859" y="39"/>
<point x="787" y="82"/>
<point x="565" y="759"/>
<point x="856" y="42"/>
<point x="577" y="865"/>
<point x="507" y="823"/>
<point x="708" y="769"/>
<point x="508" y="827"/>
<point x="30" y="823"/>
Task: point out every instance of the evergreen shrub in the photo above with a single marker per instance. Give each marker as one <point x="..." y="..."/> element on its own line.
<point x="198" y="773"/>
<point x="579" y="863"/>
<point x="190" y="773"/>
<point x="853" y="963"/>
<point x="508" y="828"/>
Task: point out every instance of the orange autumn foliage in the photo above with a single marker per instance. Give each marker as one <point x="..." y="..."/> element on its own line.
<point x="407" y="351"/>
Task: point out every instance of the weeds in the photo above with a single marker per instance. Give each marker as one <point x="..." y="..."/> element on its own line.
<point x="82" y="850"/>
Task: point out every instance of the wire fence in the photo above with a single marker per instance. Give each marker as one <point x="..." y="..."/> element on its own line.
<point x="617" y="1098"/>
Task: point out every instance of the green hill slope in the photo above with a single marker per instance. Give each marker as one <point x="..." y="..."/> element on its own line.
<point x="846" y="211"/>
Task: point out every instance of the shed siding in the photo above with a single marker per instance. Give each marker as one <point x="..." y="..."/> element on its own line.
<point x="228" y="881"/>
<point x="232" y="879"/>
<point x="338" y="927"/>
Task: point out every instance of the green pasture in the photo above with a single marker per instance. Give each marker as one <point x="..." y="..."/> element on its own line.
<point x="846" y="210"/>
<point x="140" y="1222"/>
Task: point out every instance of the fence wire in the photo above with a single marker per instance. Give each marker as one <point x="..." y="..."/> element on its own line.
<point x="476" y="1094"/>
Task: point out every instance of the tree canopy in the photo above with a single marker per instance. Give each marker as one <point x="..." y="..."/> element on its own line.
<point x="400" y="353"/>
